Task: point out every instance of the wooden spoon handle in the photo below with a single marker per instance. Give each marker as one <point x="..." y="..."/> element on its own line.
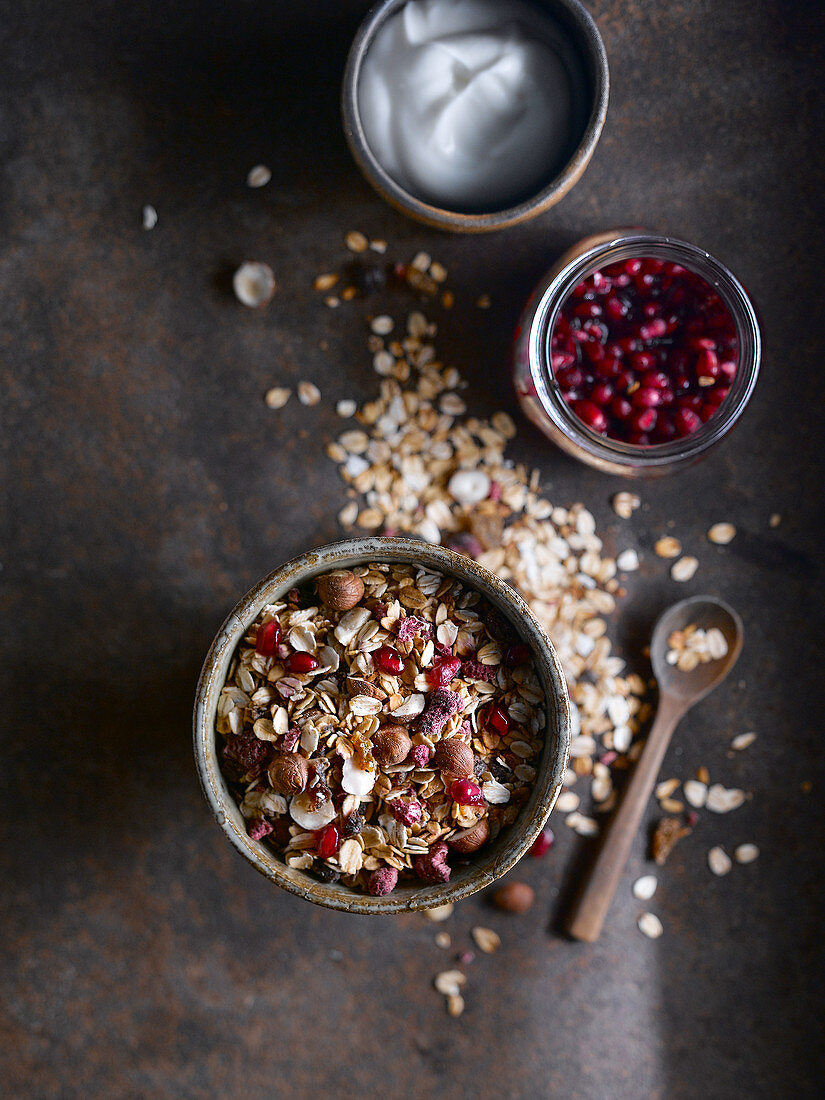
<point x="590" y="910"/>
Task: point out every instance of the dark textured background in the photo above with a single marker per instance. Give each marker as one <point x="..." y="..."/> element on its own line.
<point x="145" y="486"/>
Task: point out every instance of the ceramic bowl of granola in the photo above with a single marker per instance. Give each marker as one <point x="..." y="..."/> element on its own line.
<point x="381" y="725"/>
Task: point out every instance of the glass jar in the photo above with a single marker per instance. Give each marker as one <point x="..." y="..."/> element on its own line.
<point x="540" y="394"/>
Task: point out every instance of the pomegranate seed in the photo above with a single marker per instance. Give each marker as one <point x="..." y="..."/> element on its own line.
<point x="643" y="361"/>
<point x="633" y="267"/>
<point x="665" y="430"/>
<point x="656" y="378"/>
<point x="717" y="395"/>
<point x="301" y="662"/>
<point x="327" y="841"/>
<point x="561" y="359"/>
<point x="653" y="330"/>
<point x="616" y="308"/>
<point x="466" y="793"/>
<point x="701" y="343"/>
<point x="593" y="350"/>
<point x="269" y="638"/>
<point x="591" y="415"/>
<point x="728" y="369"/>
<point x="388" y="660"/>
<point x="542" y="844"/>
<point x="686" y="421"/>
<point x="621" y="408"/>
<point x="644" y="420"/>
<point x="587" y="309"/>
<point x="609" y="367"/>
<point x="601" y="393"/>
<point x="443" y="671"/>
<point x="571" y="378"/>
<point x="707" y="362"/>
<point x="647" y="397"/>
<point x="497" y="717"/>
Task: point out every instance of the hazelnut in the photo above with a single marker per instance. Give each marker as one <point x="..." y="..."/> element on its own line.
<point x="514" y="897"/>
<point x="288" y="773"/>
<point x="391" y="745"/>
<point x="454" y="756"/>
<point x="341" y="590"/>
<point x="470" y="840"/>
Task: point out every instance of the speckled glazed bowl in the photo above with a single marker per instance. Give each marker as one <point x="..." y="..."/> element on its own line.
<point x="474" y="872"/>
<point x="585" y="44"/>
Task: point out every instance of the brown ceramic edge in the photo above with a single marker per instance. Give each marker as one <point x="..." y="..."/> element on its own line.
<point x="437" y="217"/>
<point x="551" y="768"/>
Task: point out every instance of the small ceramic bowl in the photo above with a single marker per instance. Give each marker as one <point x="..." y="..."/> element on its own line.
<point x="588" y="48"/>
<point x="474" y="872"/>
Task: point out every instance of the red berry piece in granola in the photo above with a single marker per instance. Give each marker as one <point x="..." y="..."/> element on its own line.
<point x="475" y="670"/>
<point x="291" y="739"/>
<point x="443" y="671"/>
<point x="407" y="813"/>
<point x="258" y="828"/>
<point x="495" y="718"/>
<point x="407" y="629"/>
<point x="268" y="638"/>
<point x="518" y="654"/>
<point x="301" y="663"/>
<point x="420" y="755"/>
<point x="327" y="841"/>
<point x="433" y="867"/>
<point x="388" y="660"/>
<point x="382" y="881"/>
<point x="441" y="706"/>
<point x="246" y="756"/>
<point x="466" y="793"/>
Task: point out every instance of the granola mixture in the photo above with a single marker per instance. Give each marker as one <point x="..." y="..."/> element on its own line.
<point x="379" y="723"/>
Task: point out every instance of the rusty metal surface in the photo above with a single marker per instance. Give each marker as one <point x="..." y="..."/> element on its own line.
<point x="146" y="486"/>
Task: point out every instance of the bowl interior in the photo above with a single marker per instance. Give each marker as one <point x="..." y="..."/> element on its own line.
<point x="473" y="873"/>
<point x="574" y="35"/>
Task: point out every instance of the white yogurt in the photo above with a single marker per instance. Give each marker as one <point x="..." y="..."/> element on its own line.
<point x="468" y="103"/>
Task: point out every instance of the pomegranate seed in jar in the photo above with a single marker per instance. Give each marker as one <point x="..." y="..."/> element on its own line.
<point x="269" y="638"/>
<point x="388" y="660"/>
<point x="443" y="671"/>
<point x="301" y="662"/>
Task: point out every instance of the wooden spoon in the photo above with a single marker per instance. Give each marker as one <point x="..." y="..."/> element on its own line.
<point x="678" y="691"/>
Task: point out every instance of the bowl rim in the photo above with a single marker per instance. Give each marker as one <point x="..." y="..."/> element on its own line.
<point x="588" y="40"/>
<point x="518" y="838"/>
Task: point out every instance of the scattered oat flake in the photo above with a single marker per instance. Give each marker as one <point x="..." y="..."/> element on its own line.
<point x="684" y="568"/>
<point x="775" y="520"/>
<point x="150" y="217"/>
<point x="382" y="325"/>
<point x="440" y="912"/>
<point x="627" y="561"/>
<point x="356" y="242"/>
<point x="442" y="940"/>
<point x="743" y="740"/>
<point x="450" y="982"/>
<point x="625" y="504"/>
<point x="645" y="887"/>
<point x="325" y="282"/>
<point x="259" y="176"/>
<point x="719" y="861"/>
<point x="455" y="1004"/>
<point x="254" y="284"/>
<point x="421" y="261"/>
<point x="308" y="393"/>
<point x="668" y="547"/>
<point x="746" y="853"/>
<point x="483" y="302"/>
<point x="695" y="792"/>
<point x="721" y="800"/>
<point x="650" y="926"/>
<point x="348" y="514"/>
<point x="277" y="397"/>
<point x="378" y="245"/>
<point x="722" y="533"/>
<point x="486" y="940"/>
<point x="666" y="788"/>
<point x="346" y="408"/>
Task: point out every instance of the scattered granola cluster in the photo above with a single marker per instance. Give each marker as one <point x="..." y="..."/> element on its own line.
<point x="379" y="722"/>
<point x="691" y="647"/>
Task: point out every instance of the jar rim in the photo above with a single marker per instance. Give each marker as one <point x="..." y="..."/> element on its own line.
<point x="630" y="244"/>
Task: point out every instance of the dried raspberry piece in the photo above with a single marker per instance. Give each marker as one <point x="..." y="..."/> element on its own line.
<point x="383" y="881"/>
<point x="442" y="705"/>
<point x="258" y="828"/>
<point x="433" y="867"/>
<point x="291" y="739"/>
<point x="408" y="813"/>
<point x="443" y="650"/>
<point x="420" y="755"/>
<point x="475" y="670"/>
<point x="246" y="756"/>
<point x="407" y="629"/>
<point x="380" y="610"/>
